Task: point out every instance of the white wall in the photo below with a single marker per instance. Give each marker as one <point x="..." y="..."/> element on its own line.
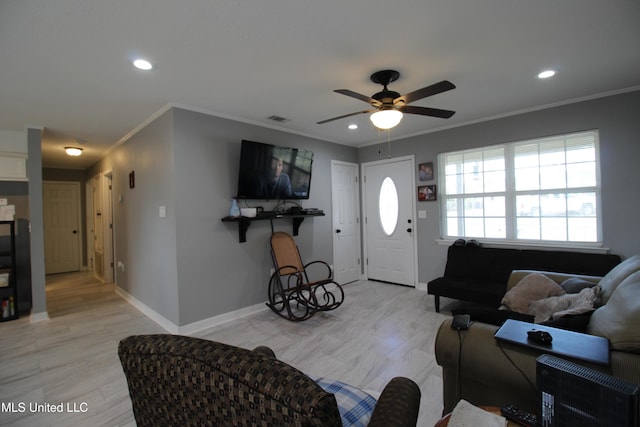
<point x="13" y="142"/>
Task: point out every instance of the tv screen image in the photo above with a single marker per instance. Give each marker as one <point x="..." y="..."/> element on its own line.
<point x="274" y="172"/>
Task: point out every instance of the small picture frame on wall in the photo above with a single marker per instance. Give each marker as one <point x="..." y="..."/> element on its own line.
<point x="427" y="193"/>
<point x="425" y="171"/>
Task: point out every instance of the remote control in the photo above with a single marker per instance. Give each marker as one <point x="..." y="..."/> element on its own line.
<point x="523" y="418"/>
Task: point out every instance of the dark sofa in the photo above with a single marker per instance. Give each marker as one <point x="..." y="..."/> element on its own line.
<point x="479" y="274"/>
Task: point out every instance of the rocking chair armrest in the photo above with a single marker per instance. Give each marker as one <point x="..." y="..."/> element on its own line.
<point x="398" y="404"/>
<point x="323" y="263"/>
<point x="288" y="267"/>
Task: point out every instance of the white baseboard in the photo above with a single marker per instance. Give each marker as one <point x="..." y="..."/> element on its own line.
<point x="165" y="323"/>
<point x="221" y="318"/>
<point x="190" y="328"/>
<point x="39" y="317"/>
<point x="422" y="287"/>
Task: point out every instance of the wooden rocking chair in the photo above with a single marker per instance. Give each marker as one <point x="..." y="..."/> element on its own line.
<point x="291" y="294"/>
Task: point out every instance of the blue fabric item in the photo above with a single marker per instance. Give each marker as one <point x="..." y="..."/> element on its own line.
<point x="355" y="405"/>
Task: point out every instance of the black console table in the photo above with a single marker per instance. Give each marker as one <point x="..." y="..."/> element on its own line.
<point x="244" y="222"/>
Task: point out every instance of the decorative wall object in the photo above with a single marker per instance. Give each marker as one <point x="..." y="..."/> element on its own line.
<point x="427" y="193"/>
<point x="425" y="171"/>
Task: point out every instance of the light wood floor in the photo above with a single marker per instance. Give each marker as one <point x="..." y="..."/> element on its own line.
<point x="381" y="331"/>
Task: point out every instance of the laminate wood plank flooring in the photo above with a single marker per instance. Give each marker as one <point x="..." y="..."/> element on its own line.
<point x="381" y="331"/>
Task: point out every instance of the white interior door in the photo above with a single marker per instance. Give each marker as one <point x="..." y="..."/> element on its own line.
<point x="62" y="232"/>
<point x="345" y="203"/>
<point x="390" y="226"/>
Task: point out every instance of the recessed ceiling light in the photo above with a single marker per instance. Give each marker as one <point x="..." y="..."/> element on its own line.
<point x="142" y="64"/>
<point x="353" y="126"/>
<point x="546" y="74"/>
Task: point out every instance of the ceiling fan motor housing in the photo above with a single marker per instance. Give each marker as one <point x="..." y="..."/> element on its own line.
<point x="391" y="100"/>
<point x="385" y="97"/>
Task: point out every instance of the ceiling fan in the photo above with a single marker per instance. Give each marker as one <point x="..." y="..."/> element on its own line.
<point x="388" y="105"/>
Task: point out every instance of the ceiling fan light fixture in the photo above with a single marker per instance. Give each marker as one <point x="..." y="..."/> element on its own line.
<point x="73" y="151"/>
<point x="386" y="119"/>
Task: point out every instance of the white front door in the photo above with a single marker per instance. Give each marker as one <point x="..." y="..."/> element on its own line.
<point x="346" y="225"/>
<point x="62" y="233"/>
<point x="390" y="226"/>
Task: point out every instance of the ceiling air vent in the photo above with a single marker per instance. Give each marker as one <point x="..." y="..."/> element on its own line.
<point x="278" y="119"/>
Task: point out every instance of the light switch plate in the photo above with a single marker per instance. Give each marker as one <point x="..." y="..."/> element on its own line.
<point x="422" y="214"/>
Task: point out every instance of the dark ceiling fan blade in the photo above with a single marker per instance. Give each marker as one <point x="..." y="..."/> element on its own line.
<point x="425" y="111"/>
<point x="359" y="96"/>
<point x="346" y="115"/>
<point x="434" y="89"/>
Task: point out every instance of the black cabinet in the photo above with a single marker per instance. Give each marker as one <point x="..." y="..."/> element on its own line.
<point x="8" y="271"/>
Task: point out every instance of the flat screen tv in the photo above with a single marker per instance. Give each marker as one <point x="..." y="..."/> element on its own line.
<point x="274" y="172"/>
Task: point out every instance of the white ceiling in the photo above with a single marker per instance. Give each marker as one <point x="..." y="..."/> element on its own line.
<point x="66" y="64"/>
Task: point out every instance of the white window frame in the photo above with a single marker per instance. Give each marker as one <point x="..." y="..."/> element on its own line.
<point x="510" y="193"/>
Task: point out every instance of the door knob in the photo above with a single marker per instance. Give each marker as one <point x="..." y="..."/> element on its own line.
<point x="408" y="230"/>
<point x="338" y="231"/>
<point x="75" y="231"/>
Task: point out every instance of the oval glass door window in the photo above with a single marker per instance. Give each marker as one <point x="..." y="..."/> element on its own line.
<point x="388" y="206"/>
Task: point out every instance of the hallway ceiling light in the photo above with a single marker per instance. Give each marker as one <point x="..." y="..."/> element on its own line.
<point x="73" y="151"/>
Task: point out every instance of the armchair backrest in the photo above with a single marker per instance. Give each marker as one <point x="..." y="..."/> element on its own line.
<point x="184" y="381"/>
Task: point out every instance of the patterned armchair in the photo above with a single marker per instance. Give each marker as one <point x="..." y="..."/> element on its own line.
<point x="183" y="381"/>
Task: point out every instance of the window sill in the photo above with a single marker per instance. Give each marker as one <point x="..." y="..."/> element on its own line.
<point x="595" y="248"/>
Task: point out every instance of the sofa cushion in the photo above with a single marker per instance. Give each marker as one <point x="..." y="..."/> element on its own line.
<point x="576" y="323"/>
<point x="491" y="315"/>
<point x="486" y="293"/>
<point x="619" y="319"/>
<point x="574" y="285"/>
<point x="532" y="287"/>
<point x="563" y="305"/>
<point x="612" y="279"/>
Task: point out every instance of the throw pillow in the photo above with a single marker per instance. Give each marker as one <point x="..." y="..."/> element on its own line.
<point x="612" y="279"/>
<point x="619" y="319"/>
<point x="574" y="285"/>
<point x="569" y="304"/>
<point x="355" y="405"/>
<point x="532" y="287"/>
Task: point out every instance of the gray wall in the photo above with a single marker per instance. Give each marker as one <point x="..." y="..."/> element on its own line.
<point x="190" y="266"/>
<point x="34" y="172"/>
<point x="144" y="242"/>
<point x="616" y="117"/>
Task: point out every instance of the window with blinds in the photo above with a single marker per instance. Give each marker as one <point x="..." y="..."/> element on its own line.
<point x="544" y="190"/>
